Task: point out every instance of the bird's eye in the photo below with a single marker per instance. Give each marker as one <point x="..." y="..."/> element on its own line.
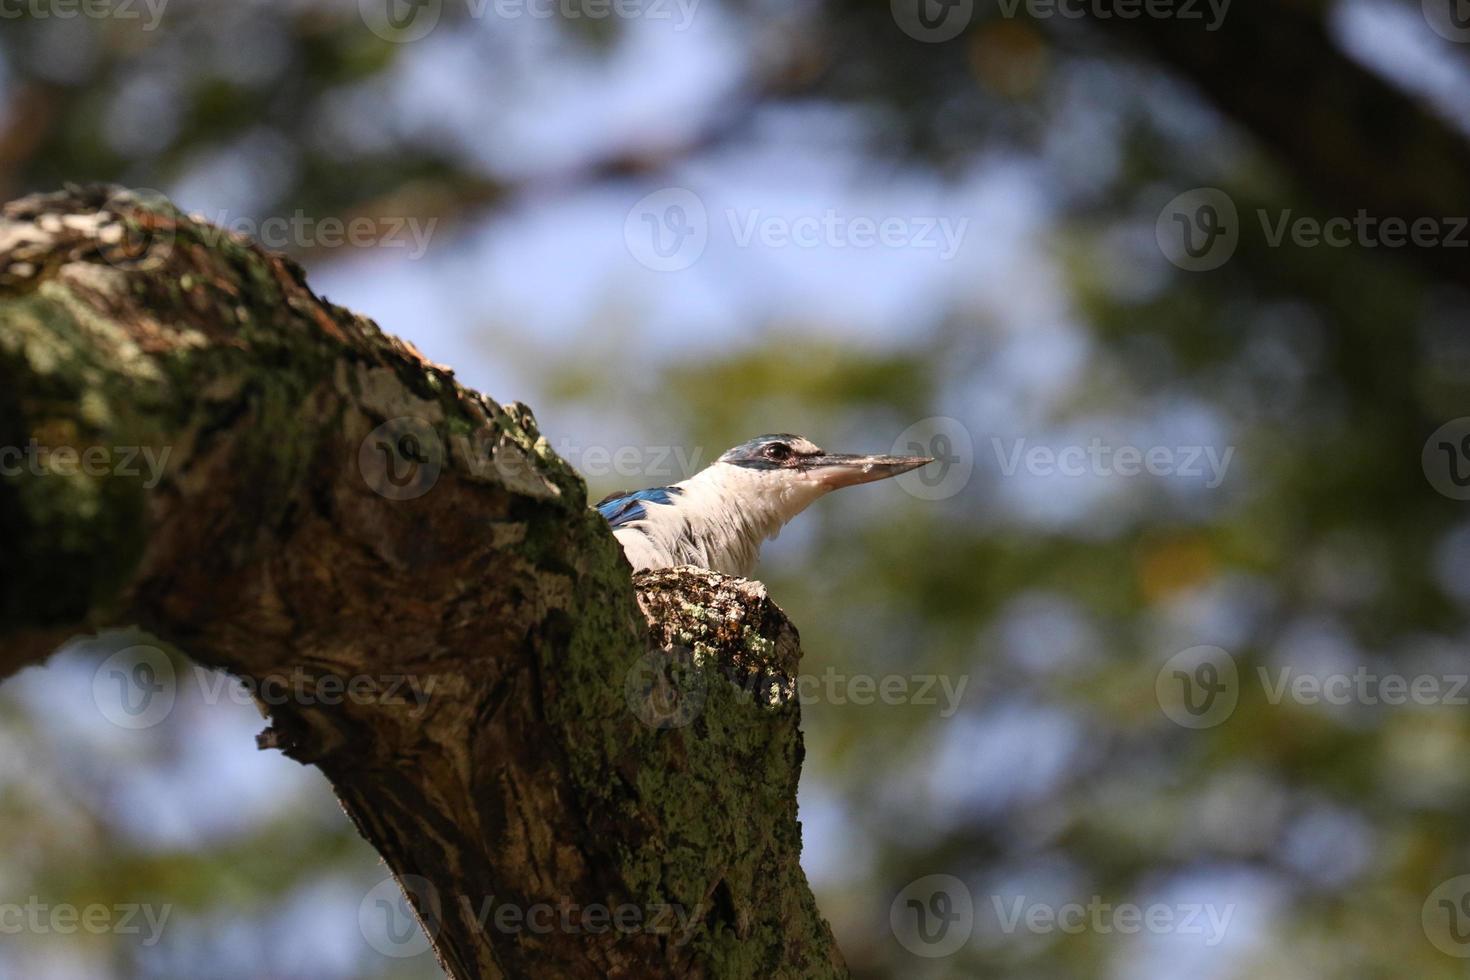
<point x="778" y="451"/>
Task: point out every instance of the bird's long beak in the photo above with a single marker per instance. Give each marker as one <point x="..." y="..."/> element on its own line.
<point x="846" y="470"/>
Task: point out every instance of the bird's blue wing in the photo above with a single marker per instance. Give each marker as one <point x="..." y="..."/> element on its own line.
<point x="625" y="508"/>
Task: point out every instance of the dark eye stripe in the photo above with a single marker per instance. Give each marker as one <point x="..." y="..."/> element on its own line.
<point x="757" y="453"/>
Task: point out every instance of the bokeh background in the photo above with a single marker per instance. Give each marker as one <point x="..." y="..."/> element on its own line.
<point x="655" y="224"/>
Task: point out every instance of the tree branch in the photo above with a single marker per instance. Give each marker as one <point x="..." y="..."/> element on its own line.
<point x="510" y="729"/>
<point x="1352" y="139"/>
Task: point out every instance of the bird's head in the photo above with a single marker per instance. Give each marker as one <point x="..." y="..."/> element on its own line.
<point x="795" y="471"/>
<point x="719" y="516"/>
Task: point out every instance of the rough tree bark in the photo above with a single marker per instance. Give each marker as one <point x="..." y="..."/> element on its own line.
<point x="336" y="507"/>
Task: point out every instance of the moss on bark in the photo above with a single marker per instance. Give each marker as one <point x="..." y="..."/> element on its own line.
<point x="328" y="503"/>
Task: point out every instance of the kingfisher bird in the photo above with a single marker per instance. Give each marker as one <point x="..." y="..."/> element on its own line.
<point x="719" y="518"/>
